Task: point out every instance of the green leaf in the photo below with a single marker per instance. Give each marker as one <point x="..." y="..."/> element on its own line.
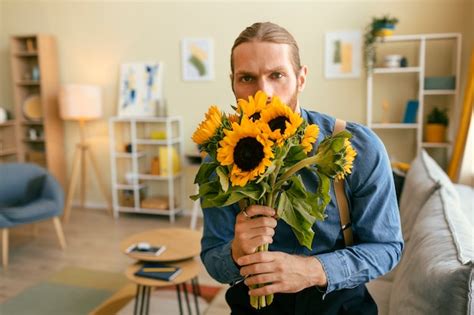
<point x="213" y="196"/>
<point x="223" y="178"/>
<point x="301" y="223"/>
<point x="297" y="188"/>
<point x="320" y="199"/>
<point x="194" y="197"/>
<point x="205" y="172"/>
<point x="295" y="154"/>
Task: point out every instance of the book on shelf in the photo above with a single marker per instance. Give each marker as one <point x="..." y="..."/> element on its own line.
<point x="145" y="248"/>
<point x="411" y="112"/>
<point x="159" y="271"/>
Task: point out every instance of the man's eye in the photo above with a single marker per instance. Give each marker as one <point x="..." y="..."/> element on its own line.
<point x="246" y="78"/>
<point x="277" y="75"/>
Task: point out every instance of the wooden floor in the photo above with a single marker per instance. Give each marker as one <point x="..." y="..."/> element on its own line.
<point x="93" y="239"/>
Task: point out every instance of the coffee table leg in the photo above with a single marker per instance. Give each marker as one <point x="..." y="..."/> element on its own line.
<point x="143" y="299"/>
<point x="178" y="291"/>
<point x="198" y="289"/>
<point x="147" y="298"/>
<point x="187" y="298"/>
<point x="195" y="293"/>
<point x="139" y="299"/>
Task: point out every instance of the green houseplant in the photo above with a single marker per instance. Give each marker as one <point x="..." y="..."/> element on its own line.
<point x="378" y="28"/>
<point x="436" y="124"/>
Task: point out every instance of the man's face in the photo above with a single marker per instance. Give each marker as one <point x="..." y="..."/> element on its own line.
<point x="266" y="66"/>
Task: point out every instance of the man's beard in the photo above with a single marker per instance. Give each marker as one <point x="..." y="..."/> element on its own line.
<point x="293" y="101"/>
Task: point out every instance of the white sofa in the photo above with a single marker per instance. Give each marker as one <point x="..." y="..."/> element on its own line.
<point x="435" y="273"/>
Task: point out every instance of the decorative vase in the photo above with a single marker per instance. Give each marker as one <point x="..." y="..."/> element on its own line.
<point x="435" y="133"/>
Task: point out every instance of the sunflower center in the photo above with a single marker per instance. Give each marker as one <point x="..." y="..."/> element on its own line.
<point x="255" y="116"/>
<point x="248" y="153"/>
<point x="278" y="123"/>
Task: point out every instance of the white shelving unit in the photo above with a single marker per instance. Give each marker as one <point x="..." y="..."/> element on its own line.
<point x="421" y="40"/>
<point x="137" y="133"/>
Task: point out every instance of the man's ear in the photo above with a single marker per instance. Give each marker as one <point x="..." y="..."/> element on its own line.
<point x="302" y="78"/>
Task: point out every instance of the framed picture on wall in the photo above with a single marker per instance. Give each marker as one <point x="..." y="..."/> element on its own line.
<point x="140" y="89"/>
<point x="197" y="59"/>
<point x="343" y="55"/>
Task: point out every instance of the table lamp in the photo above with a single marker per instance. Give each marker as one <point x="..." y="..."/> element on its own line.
<point x="80" y="102"/>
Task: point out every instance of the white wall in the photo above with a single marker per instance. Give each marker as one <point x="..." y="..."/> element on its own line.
<point x="95" y="37"/>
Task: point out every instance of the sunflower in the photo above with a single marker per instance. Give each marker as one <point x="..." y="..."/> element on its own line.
<point x="254" y="106"/>
<point x="247" y="149"/>
<point x="279" y="121"/>
<point x="349" y="156"/>
<point x="208" y="127"/>
<point x="310" y="135"/>
<point x="233" y="118"/>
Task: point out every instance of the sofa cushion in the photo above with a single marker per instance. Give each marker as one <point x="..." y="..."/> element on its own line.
<point x="435" y="273"/>
<point x="466" y="198"/>
<point x="423" y="178"/>
<point x="380" y="291"/>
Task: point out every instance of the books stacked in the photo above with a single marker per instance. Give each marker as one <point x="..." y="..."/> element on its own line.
<point x="159" y="271"/>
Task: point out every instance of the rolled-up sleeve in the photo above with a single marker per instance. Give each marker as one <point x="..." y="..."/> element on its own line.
<point x="216" y="243"/>
<point x="378" y="241"/>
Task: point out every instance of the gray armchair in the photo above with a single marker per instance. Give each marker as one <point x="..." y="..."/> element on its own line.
<point x="28" y="193"/>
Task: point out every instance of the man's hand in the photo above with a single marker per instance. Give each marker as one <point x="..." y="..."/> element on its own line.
<point x="251" y="233"/>
<point x="286" y="273"/>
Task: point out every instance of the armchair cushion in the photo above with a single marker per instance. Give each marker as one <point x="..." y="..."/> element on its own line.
<point x="28" y="193"/>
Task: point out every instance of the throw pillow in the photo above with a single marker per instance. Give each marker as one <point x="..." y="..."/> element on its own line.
<point x="423" y="178"/>
<point x="434" y="275"/>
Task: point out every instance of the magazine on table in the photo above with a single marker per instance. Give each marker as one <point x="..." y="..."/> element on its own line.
<point x="146" y="248"/>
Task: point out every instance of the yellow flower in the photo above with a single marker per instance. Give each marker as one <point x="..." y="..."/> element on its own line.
<point x="233" y="118"/>
<point x="247" y="149"/>
<point x="208" y="127"/>
<point x="349" y="156"/>
<point x="253" y="107"/>
<point x="279" y="121"/>
<point x="310" y="135"/>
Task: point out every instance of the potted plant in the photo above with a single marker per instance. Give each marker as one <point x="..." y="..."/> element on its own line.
<point x="385" y="25"/>
<point x="378" y="28"/>
<point x="435" y="129"/>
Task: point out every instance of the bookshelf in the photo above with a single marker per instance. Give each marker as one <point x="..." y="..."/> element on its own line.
<point x="418" y="48"/>
<point x="38" y="132"/>
<point x="133" y="179"/>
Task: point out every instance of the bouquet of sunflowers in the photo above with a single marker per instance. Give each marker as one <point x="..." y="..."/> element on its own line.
<point x="254" y="156"/>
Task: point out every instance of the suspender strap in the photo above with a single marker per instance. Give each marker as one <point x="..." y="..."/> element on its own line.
<point x="341" y="197"/>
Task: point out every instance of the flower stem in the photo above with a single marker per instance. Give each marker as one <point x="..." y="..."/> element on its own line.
<point x="295" y="168"/>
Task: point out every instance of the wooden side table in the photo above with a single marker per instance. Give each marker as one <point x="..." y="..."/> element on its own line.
<point x="189" y="271"/>
<point x="180" y="244"/>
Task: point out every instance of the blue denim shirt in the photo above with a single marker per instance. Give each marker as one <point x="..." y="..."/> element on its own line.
<point x="374" y="214"/>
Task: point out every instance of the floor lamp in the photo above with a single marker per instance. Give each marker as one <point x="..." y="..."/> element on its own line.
<point x="81" y="103"/>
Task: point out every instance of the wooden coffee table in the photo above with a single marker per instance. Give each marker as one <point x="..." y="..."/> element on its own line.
<point x="180" y="244"/>
<point x="189" y="271"/>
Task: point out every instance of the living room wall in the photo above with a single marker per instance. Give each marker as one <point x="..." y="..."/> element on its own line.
<point x="94" y="38"/>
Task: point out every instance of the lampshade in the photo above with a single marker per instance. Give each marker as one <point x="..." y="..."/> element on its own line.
<point x="80" y="102"/>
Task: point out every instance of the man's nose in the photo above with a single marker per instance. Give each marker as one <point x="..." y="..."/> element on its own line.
<point x="266" y="87"/>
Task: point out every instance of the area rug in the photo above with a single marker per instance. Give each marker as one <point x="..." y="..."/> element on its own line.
<point x="75" y="290"/>
<point x="72" y="290"/>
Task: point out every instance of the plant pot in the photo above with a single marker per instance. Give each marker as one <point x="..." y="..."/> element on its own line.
<point x="435" y="133"/>
<point x="384" y="29"/>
